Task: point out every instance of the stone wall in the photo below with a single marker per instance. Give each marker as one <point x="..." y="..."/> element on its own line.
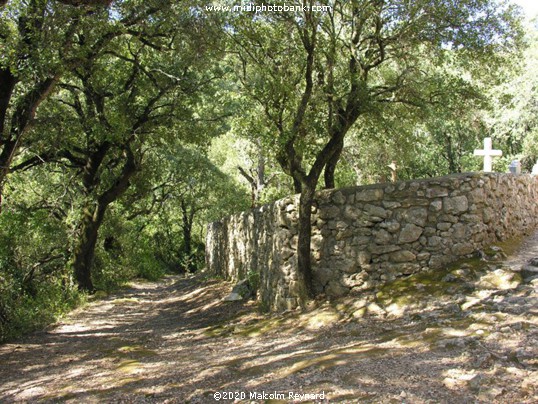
<point x="364" y="236"/>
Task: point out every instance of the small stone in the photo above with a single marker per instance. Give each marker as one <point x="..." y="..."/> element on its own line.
<point x="351" y="212"/>
<point x="461" y="272"/>
<point x="383" y="249"/>
<point x="364" y="258"/>
<point x="517" y="326"/>
<point x="375" y="309"/>
<point x="233" y="297"/>
<point x="475" y="382"/>
<point x="483" y="361"/>
<point x="424" y="256"/>
<point x="391" y="227"/>
<point x="500" y="279"/>
<point x="329" y="212"/>
<point x="453" y="308"/>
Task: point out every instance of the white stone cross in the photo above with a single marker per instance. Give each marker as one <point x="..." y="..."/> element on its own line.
<point x="488" y="154"/>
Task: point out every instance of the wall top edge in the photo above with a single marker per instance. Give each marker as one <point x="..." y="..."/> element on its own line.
<point x="326" y="193"/>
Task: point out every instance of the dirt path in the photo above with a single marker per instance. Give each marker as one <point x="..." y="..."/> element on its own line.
<point x="460" y="337"/>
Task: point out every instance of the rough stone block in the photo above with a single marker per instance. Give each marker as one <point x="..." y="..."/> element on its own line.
<point x="434" y="241"/>
<point x="423" y="256"/>
<point x="355" y="280"/>
<point x="392" y="226"/>
<point x="364" y="258"/>
<point x="336" y="289"/>
<point x="436" y="206"/>
<point x="361" y="240"/>
<point x="462" y="249"/>
<point x="416" y="216"/>
<point x="376" y="211"/>
<point x="343" y="234"/>
<point x="410" y="233"/>
<point x="316" y="242"/>
<point x="455" y="204"/>
<point x="436" y="192"/>
<point x="403" y="256"/>
<point x="329" y="212"/>
<point x="324" y="275"/>
<point x="286" y="253"/>
<point x="391" y="205"/>
<point x="338" y="198"/>
<point x="368" y="195"/>
<point x="382" y="237"/>
<point x="438" y="261"/>
<point x="352" y="212"/>
<point x="460" y="231"/>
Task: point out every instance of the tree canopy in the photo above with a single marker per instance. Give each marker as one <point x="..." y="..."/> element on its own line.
<point x="126" y="126"/>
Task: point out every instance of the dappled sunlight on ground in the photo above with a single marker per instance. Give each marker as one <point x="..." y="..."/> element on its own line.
<point x="458" y="338"/>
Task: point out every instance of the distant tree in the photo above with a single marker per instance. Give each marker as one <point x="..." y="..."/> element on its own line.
<point x="514" y="119"/>
<point x="172" y="205"/>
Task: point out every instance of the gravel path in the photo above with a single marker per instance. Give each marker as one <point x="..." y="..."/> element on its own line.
<point x="465" y="336"/>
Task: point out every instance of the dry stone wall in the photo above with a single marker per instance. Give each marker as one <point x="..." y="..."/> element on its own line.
<point x="368" y="235"/>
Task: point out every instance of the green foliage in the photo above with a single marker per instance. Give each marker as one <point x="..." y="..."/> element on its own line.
<point x="181" y="192"/>
<point x="513" y="120"/>
<point x="34" y="286"/>
<point x="206" y="133"/>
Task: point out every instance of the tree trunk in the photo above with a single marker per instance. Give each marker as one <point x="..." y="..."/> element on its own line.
<point x="297" y="186"/>
<point x="20" y="122"/>
<point x="85" y="248"/>
<point x="7" y="85"/>
<point x="304" y="268"/>
<point x="187" y="235"/>
<point x="330" y="167"/>
<point x="84" y="251"/>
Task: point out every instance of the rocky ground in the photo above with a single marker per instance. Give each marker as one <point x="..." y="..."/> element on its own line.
<point x="465" y="335"/>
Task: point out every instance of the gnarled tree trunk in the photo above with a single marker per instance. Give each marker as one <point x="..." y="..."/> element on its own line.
<point x="84" y="251"/>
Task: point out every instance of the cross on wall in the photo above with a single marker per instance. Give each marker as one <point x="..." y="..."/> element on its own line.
<point x="488" y="153"/>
